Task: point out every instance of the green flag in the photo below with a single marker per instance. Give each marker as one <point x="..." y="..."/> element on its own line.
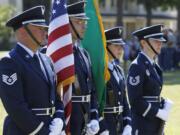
<point x="95" y="43"/>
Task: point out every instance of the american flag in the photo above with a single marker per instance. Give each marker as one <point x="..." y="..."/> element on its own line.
<point x="60" y="50"/>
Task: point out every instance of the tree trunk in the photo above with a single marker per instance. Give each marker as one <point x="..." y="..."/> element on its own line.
<point x="148" y="14"/>
<point x="120" y="12"/>
<point x="178" y="19"/>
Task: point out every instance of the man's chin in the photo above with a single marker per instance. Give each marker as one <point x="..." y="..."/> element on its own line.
<point x="159" y="52"/>
<point x="44" y="44"/>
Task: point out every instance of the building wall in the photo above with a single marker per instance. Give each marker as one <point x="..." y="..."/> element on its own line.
<point x="135" y="16"/>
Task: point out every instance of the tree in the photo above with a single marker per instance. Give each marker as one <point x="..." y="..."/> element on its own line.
<point x="5" y="33"/>
<point x="119" y="18"/>
<point x="174" y="4"/>
<point x="120" y="4"/>
<point x="149" y="5"/>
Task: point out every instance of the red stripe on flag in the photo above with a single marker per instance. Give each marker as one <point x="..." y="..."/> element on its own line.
<point x="59" y="32"/>
<point x="62" y="52"/>
<point x="69" y="73"/>
<point x="68" y="109"/>
<point x="60" y="49"/>
<point x="65" y="88"/>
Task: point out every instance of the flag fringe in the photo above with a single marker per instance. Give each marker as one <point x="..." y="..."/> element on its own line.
<point x="68" y="81"/>
<point x="64" y="83"/>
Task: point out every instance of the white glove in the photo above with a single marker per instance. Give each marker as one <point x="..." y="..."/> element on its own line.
<point x="63" y="133"/>
<point x="106" y="132"/>
<point x="56" y="126"/>
<point x="127" y="130"/>
<point x="164" y="113"/>
<point x="168" y="104"/>
<point x="92" y="127"/>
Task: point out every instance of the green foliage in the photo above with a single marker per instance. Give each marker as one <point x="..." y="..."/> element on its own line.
<point x="170" y="3"/>
<point x="161" y="3"/>
<point x="6" y="13"/>
<point x="100" y="1"/>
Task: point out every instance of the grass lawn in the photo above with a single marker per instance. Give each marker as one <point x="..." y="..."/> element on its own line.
<point x="171" y="90"/>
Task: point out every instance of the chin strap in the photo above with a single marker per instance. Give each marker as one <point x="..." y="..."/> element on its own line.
<point x="111" y="53"/>
<point x="75" y="31"/>
<point x="151" y="46"/>
<point x="31" y="35"/>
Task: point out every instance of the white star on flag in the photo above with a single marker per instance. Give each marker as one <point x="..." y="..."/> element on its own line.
<point x="54" y="11"/>
<point x="58" y="2"/>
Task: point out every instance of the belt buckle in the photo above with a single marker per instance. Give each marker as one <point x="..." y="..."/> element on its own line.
<point x="88" y="98"/>
<point x="120" y="109"/>
<point x="83" y="98"/>
<point x="114" y="109"/>
<point x="48" y="111"/>
<point x="53" y="109"/>
<point x="160" y="99"/>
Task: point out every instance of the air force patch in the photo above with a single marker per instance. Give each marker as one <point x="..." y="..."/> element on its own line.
<point x="9" y="80"/>
<point x="134" y="80"/>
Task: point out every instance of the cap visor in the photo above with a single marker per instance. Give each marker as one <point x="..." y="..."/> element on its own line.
<point x="40" y="24"/>
<point x="161" y="39"/>
<point x="117" y="43"/>
<point x="81" y="17"/>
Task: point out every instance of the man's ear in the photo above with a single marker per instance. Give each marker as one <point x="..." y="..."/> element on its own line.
<point x="143" y="43"/>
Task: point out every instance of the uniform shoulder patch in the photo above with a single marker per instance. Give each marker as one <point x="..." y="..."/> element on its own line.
<point x="9" y="80"/>
<point x="134" y="80"/>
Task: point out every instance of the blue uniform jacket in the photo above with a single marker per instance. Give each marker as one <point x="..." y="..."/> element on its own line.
<point x="120" y="96"/>
<point x="144" y="84"/>
<point x="85" y="81"/>
<point x="116" y="95"/>
<point x="23" y="87"/>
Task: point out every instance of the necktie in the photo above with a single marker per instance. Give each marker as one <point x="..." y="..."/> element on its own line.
<point x="81" y="59"/>
<point x="118" y="74"/>
<point x="154" y="66"/>
<point x="36" y="62"/>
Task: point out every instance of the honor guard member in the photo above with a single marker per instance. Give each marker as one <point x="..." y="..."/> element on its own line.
<point x="117" y="117"/>
<point x="27" y="83"/>
<point x="145" y="82"/>
<point x="84" y="118"/>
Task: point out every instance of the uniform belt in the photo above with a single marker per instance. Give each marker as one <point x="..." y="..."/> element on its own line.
<point x="81" y="99"/>
<point x="44" y="111"/>
<point x="152" y="99"/>
<point x="115" y="109"/>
